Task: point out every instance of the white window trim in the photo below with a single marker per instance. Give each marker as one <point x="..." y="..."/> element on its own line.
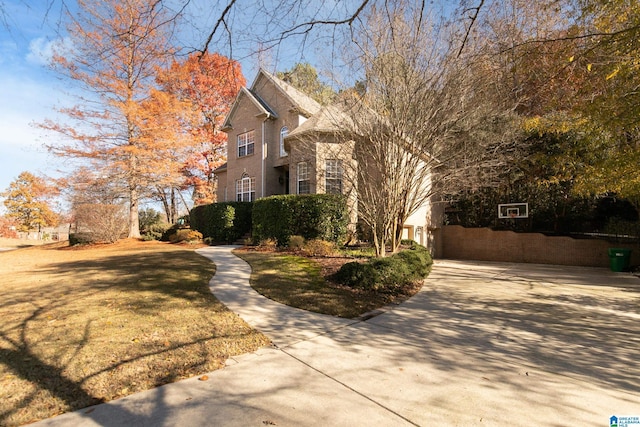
<point x="284" y="131"/>
<point x="245" y="140"/>
<point x="303" y="168"/>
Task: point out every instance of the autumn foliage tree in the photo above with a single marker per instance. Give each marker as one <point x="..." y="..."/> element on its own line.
<point x="28" y="201"/>
<point x="8" y="227"/>
<point x="117" y="46"/>
<point x="206" y="85"/>
<point x="574" y="68"/>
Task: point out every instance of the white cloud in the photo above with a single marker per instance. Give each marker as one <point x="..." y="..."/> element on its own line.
<point x="41" y="50"/>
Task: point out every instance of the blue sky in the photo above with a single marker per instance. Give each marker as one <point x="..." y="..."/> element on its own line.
<point x="29" y="92"/>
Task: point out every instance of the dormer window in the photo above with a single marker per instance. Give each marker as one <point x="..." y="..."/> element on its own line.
<point x="246" y="143"/>
<point x="283" y="133"/>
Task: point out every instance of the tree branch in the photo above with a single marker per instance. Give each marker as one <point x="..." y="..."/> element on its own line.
<point x="221" y="21"/>
<point x="298" y="29"/>
<point x="473" y="18"/>
<point x="570" y="38"/>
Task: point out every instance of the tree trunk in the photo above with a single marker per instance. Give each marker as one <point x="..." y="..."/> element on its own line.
<point x="165" y="204"/>
<point x="174" y="208"/>
<point x="134" y="224"/>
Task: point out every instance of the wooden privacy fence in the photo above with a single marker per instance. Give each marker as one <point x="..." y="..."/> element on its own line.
<point x="484" y="244"/>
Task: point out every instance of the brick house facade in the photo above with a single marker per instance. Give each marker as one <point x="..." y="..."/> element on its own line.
<point x="281" y="141"/>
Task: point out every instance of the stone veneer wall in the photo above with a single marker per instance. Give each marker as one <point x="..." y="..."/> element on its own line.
<point x="484" y="244"/>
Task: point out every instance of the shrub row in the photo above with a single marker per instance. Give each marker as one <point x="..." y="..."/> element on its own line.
<point x="312" y="216"/>
<point x="222" y="222"/>
<point x="380" y="274"/>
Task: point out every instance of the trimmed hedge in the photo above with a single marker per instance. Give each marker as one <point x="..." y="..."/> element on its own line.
<point x="401" y="269"/>
<point x="222" y="222"/>
<point x="312" y="216"/>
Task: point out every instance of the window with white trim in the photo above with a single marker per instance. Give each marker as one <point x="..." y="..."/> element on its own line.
<point x="246" y="143"/>
<point x="302" y="174"/>
<point x="246" y="189"/>
<point x="283" y="132"/>
<point x="333" y="176"/>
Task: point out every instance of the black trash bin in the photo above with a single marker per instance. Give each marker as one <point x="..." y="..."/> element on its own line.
<point x="619" y="259"/>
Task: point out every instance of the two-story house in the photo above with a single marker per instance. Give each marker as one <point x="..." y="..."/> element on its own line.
<point x="281" y="141"/>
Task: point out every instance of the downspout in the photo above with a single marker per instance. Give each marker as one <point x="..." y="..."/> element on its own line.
<point x="264" y="154"/>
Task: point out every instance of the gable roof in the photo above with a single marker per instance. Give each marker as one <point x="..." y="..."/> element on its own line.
<point x="263" y="108"/>
<point x="331" y="119"/>
<point x="300" y="102"/>
<point x="342" y="116"/>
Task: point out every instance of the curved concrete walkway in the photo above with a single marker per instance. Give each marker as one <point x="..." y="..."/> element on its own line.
<point x="284" y="325"/>
<point x="483" y="344"/>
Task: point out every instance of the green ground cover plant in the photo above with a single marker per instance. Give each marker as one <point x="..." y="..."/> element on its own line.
<point x="387" y="274"/>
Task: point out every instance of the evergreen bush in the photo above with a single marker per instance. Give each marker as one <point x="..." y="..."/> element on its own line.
<point x="312" y="216"/>
<point x="357" y="275"/>
<point x="385" y="274"/>
<point x="222" y="222"/>
<point x="272" y="219"/>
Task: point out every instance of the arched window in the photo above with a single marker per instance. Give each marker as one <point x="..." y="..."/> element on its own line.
<point x="283" y="132"/>
<point x="246" y="189"/>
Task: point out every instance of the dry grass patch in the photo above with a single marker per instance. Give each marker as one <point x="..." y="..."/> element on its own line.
<point x="83" y="326"/>
<point x="6" y="243"/>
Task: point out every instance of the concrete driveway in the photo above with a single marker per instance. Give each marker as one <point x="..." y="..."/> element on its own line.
<point x="482" y="344"/>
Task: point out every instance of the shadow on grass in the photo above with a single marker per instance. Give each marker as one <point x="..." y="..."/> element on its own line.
<point x="66" y="312"/>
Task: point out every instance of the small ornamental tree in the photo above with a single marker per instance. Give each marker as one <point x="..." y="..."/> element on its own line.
<point x="28" y="202"/>
<point x="8" y="228"/>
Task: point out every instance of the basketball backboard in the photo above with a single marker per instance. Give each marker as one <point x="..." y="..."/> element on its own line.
<point x="513" y="210"/>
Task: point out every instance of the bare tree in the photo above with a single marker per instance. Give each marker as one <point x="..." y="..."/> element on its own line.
<point x="427" y="121"/>
<point x="104" y="222"/>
